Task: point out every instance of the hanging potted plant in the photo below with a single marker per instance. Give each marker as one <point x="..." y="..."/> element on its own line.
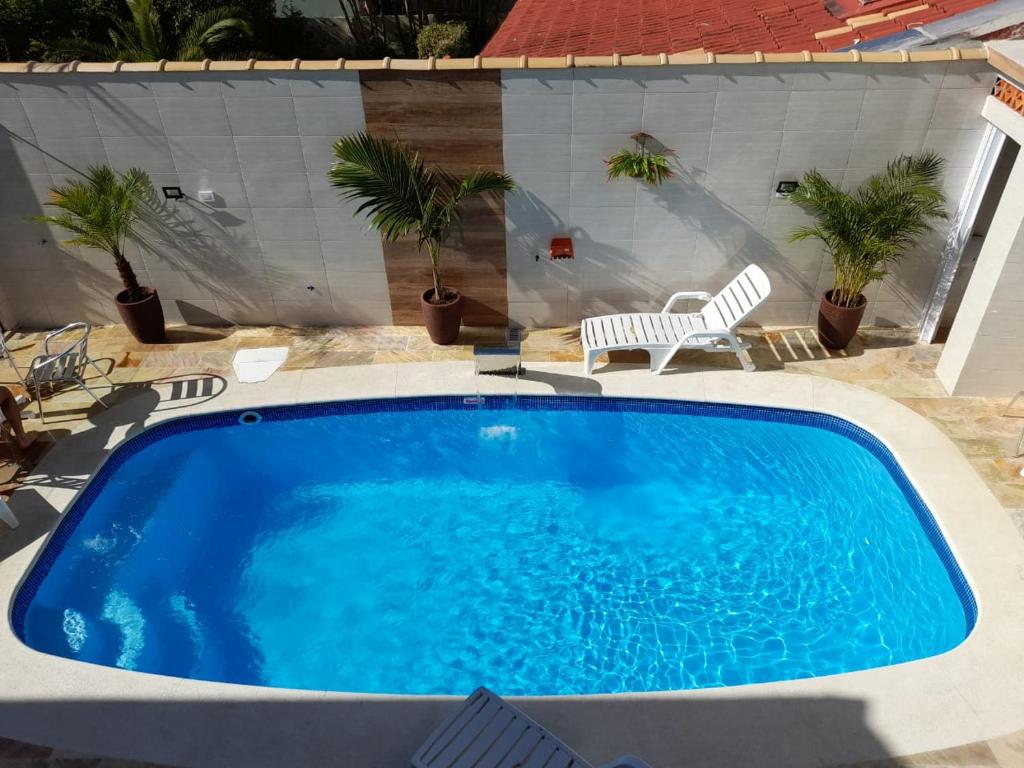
<point x="866" y="231"/>
<point x="403" y="197"/>
<point x="639" y="163"/>
<point x="102" y="210"/>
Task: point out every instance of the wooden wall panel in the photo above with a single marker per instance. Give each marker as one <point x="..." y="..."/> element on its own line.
<point x="453" y="119"/>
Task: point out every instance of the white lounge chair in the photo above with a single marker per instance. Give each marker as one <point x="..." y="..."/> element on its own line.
<point x="664" y="333"/>
<point x="488" y="732"/>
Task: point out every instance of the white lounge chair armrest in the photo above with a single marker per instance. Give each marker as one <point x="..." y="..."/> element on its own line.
<point x="702" y="295"/>
<point x="705" y="336"/>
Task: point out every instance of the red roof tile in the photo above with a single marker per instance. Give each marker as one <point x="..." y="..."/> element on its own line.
<point x="603" y="27"/>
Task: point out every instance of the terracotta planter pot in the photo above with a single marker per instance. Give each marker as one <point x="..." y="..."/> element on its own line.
<point x="145" y="319"/>
<point x="838" y="325"/>
<point x="443" y="321"/>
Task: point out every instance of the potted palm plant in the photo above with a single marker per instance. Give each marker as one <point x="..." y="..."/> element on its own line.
<point x="867" y="230"/>
<point x="402" y="197"/>
<point x="103" y="211"/>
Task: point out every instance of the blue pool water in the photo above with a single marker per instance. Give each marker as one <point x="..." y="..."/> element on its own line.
<point x="535" y="546"/>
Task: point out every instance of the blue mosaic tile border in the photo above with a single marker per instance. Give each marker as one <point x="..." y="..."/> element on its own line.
<point x="834" y="424"/>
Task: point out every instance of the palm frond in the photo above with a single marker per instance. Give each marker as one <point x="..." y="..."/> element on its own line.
<point x="142" y="36"/>
<point x="395" y="188"/>
<point x="99" y="209"/>
<point x="211" y="30"/>
<point x="401" y="196"/>
<point x="479" y="182"/>
<point x="84" y="50"/>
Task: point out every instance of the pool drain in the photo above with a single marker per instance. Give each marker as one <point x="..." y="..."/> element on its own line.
<point x="250" y="417"/>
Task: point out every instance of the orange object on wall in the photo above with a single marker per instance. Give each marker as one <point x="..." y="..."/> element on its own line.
<point x="1010" y="95"/>
<point x="561" y="248"/>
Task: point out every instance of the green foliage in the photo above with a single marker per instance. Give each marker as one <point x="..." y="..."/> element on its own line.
<point x="867" y="230"/>
<point x="449" y="38"/>
<point x="102" y="211"/>
<point x="403" y="197"/>
<point x="28" y="27"/>
<point x="176" y="16"/>
<point x="639" y="164"/>
<point x="392" y="29"/>
<point x="141" y="37"/>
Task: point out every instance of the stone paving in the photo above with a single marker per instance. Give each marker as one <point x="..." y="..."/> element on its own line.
<point x="887" y="361"/>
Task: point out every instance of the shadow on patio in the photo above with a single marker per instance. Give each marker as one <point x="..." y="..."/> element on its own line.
<point x="384" y="732"/>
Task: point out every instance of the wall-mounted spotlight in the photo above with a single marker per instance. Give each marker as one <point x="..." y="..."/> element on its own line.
<point x="786" y="188"/>
<point x="173" y="193"/>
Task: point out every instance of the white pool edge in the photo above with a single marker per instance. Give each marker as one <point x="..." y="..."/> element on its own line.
<point x="970" y="693"/>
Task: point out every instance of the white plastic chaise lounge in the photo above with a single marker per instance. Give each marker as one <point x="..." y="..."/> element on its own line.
<point x="488" y="732"/>
<point x="664" y="333"/>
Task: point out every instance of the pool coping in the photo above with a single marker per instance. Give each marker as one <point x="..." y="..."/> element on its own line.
<point x="969" y="693"/>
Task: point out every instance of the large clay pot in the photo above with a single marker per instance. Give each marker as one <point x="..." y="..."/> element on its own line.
<point x="145" y="318"/>
<point x="443" y="321"/>
<point x="838" y="325"/>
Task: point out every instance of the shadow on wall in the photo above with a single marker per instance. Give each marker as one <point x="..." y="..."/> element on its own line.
<point x="190" y="250"/>
<point x="698" y="242"/>
<point x="193" y="246"/>
<point x="734" y="242"/>
<point x="900" y="299"/>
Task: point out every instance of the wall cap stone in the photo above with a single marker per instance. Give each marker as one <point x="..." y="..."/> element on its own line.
<point x="685" y="58"/>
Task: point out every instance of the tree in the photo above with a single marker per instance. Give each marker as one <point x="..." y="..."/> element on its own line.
<point x="28" y="27"/>
<point x="448" y="38"/>
<point x="391" y="27"/>
<point x="141" y="36"/>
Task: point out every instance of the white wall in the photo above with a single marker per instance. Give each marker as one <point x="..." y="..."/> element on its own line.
<point x="984" y="354"/>
<point x="260" y="141"/>
<point x="737" y="131"/>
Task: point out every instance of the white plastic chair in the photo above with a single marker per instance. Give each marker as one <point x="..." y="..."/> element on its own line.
<point x="63" y="367"/>
<point x="664" y="333"/>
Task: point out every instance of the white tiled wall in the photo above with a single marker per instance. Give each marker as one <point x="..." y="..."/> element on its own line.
<point x="262" y="143"/>
<point x="275" y="246"/>
<point x="736" y="132"/>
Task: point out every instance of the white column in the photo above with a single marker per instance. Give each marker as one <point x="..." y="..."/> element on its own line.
<point x="984" y="355"/>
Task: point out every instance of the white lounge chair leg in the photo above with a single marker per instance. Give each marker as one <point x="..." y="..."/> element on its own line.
<point x="6" y="515"/>
<point x="740" y="348"/>
<point x="661" y="358"/>
<point x="589" y="359"/>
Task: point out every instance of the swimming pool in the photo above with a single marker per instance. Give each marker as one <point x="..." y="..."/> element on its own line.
<point x="539" y="545"/>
